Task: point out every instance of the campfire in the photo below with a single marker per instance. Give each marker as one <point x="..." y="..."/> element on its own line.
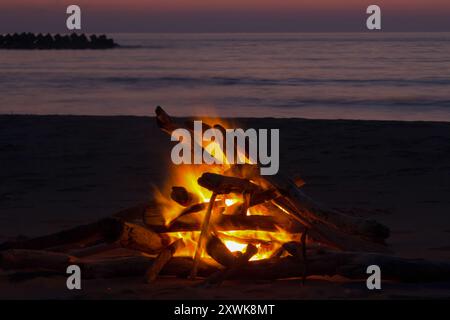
<point x="220" y="222"/>
<point x="231" y="209"/>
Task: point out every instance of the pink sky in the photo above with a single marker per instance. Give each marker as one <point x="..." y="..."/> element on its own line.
<point x="235" y="5"/>
<point x="224" y="15"/>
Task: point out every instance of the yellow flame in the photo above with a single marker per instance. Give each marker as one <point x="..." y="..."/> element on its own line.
<point x="234" y="246"/>
<point x="230" y="202"/>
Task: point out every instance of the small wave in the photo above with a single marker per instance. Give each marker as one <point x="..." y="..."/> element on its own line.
<point x="140" y="47"/>
<point x="231" y="81"/>
<point x="383" y="102"/>
<point x="418" y="103"/>
<point x="142" y="82"/>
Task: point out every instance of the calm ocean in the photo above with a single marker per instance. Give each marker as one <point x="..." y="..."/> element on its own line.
<point x="349" y="76"/>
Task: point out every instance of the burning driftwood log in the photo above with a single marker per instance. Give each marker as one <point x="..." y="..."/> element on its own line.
<point x="233" y="263"/>
<point x="219" y="252"/>
<point x="217" y="278"/>
<point x="183" y="197"/>
<point x="220" y="184"/>
<point x="203" y="235"/>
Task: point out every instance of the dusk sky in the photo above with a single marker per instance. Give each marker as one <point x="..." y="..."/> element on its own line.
<point x="223" y="15"/>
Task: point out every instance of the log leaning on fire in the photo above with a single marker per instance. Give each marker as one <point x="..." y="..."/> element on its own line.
<point x="164" y="121"/>
<point x="369" y="229"/>
<point x="109" y="230"/>
<point x="308" y="208"/>
<point x="306" y="213"/>
<point x="330" y="235"/>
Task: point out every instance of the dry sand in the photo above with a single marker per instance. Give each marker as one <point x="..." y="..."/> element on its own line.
<point x="60" y="171"/>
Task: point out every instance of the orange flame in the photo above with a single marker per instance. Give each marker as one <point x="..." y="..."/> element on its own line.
<point x="235" y="240"/>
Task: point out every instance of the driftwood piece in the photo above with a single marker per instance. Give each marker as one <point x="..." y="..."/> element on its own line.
<point x="310" y="209"/>
<point x="203" y="236"/>
<point x="162" y="259"/>
<point x="219" y="252"/>
<point x="217" y="278"/>
<point x="366" y="228"/>
<point x="244" y="171"/>
<point x="109" y="230"/>
<point x="138" y="238"/>
<point x="330" y="236"/>
<point x="35" y="260"/>
<point x="164" y="121"/>
<point x="351" y="265"/>
<point x="256" y="222"/>
<point x="305" y="211"/>
<point x="182" y="196"/>
<point x="320" y="230"/>
<point x="133" y="214"/>
<point x="191" y="221"/>
<point x="221" y="184"/>
<point x="82" y="236"/>
<point x="245" y="240"/>
<point x="224" y="223"/>
<point x="194" y="208"/>
<point x="262" y="196"/>
<point x="166" y="124"/>
<point x="298" y="250"/>
<point x="191" y="209"/>
<point x="246" y="204"/>
<point x="299" y="182"/>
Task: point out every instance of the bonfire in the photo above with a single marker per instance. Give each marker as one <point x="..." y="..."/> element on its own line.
<point x="222" y="222"/>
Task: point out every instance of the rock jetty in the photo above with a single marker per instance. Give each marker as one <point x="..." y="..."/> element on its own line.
<point x="30" y="41"/>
